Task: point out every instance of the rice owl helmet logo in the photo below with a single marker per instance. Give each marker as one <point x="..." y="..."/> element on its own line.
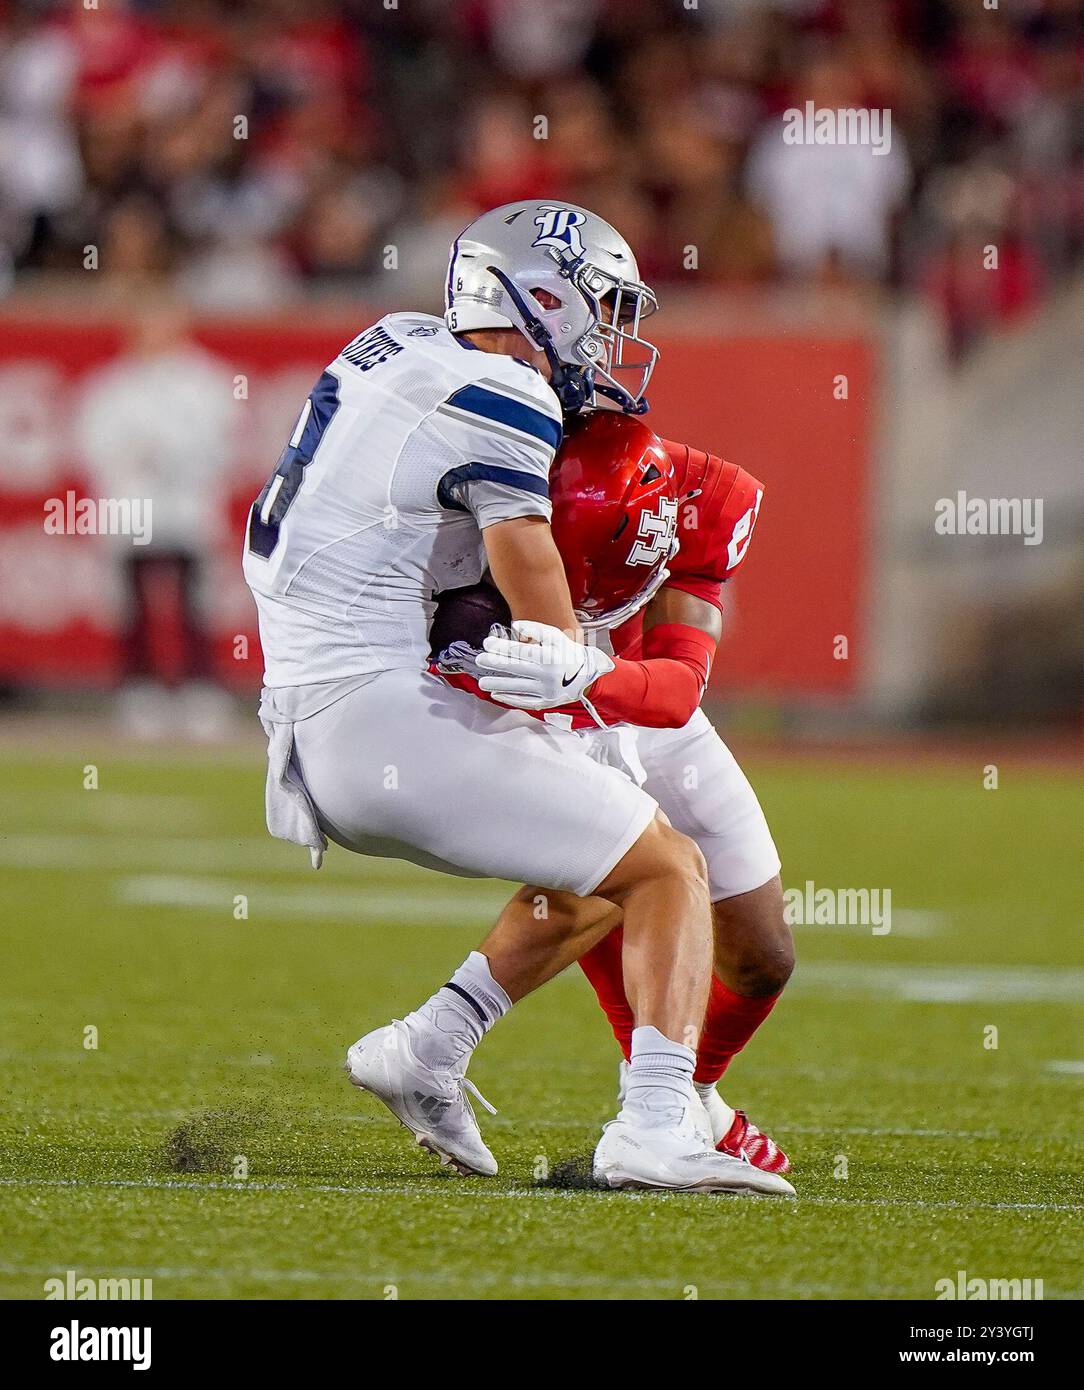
<point x="559" y="227"/>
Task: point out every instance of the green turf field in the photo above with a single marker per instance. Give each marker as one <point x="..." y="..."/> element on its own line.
<point x="918" y="1150"/>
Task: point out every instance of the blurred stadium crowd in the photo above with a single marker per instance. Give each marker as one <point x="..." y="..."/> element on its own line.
<point x="377" y="124"/>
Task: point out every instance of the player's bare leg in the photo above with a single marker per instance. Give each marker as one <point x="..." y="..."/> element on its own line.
<point x="754" y="947"/>
<point x="661" y="887"/>
<point x="540" y="933"/>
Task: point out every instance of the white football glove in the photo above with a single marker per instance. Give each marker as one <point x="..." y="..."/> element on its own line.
<point x="539" y="668"/>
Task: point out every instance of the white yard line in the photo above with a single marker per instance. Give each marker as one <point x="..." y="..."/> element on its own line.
<point x="478" y="1194"/>
<point x="1067" y="1067"/>
<point x="363" y="904"/>
<point x="919" y="1204"/>
<point x="404" y="1278"/>
<point x="77" y="853"/>
<point x="318" y="896"/>
<point x="113" y="812"/>
<point x="919" y="921"/>
<point x="943" y="984"/>
<point x="906" y="921"/>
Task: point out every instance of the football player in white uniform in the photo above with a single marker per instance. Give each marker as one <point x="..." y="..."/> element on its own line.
<point x="422" y="455"/>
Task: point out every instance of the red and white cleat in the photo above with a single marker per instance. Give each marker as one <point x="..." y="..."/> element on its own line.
<point x="759" y="1148"/>
<point x="735" y="1134"/>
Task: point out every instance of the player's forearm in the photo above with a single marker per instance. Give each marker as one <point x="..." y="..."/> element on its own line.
<point x="662" y="691"/>
<point x="526" y="567"/>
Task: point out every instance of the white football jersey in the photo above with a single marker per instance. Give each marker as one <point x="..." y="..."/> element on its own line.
<point x="409" y="445"/>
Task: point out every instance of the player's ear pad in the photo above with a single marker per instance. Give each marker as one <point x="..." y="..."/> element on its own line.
<point x="466" y="615"/>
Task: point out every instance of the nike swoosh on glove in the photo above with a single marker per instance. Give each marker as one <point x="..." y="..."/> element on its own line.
<point x="538" y="668"/>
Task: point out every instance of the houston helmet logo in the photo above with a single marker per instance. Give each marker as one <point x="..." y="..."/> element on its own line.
<point x="559" y="227"/>
<point x="655" y="534"/>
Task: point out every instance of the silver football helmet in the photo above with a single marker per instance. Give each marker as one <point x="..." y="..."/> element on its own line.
<point x="500" y="262"/>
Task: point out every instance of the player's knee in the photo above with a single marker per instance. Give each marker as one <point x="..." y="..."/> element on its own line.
<point x="754" y="944"/>
<point x="764" y="967"/>
<point x="681" y="866"/>
<point x="686" y="860"/>
<point x="765" y="963"/>
<point x="660" y="854"/>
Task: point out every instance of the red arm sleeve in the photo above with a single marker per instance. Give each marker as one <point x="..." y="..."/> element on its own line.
<point x="663" y="690"/>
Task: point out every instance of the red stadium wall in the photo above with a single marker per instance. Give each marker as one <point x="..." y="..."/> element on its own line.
<point x="769" y="404"/>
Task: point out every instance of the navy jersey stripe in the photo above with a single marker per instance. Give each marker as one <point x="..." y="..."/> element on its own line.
<point x="471" y="472"/>
<point x="492" y="405"/>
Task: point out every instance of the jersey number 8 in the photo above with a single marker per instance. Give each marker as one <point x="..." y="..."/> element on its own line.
<point x="270" y="508"/>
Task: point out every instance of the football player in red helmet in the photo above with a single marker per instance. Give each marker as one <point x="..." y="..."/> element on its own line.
<point x="615" y="512"/>
<point x="650" y="531"/>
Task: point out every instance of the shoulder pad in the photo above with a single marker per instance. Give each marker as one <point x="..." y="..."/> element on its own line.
<point x="719" y="506"/>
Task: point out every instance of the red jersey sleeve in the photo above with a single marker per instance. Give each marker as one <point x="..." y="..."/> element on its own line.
<point x="718" y="510"/>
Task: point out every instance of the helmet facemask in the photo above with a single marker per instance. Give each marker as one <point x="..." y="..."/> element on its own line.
<point x="614" y="617"/>
<point x="613" y="344"/>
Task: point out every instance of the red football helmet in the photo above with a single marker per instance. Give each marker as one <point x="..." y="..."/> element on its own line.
<point x="614" y="514"/>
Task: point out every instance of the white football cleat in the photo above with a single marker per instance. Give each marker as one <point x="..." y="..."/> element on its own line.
<point x="730" y="1131"/>
<point x="676" y="1158"/>
<point x="699" y="1112"/>
<point x="431" y="1104"/>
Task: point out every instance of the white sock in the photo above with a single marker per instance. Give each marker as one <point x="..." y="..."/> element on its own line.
<point x="723" y="1112"/>
<point x="451" y="1023"/>
<point x="659" y="1084"/>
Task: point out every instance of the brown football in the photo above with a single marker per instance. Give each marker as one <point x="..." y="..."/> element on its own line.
<point x="466" y="615"/>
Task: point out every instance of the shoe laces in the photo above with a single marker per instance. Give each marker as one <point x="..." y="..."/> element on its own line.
<point x="466" y="1084"/>
<point x="469" y="1085"/>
